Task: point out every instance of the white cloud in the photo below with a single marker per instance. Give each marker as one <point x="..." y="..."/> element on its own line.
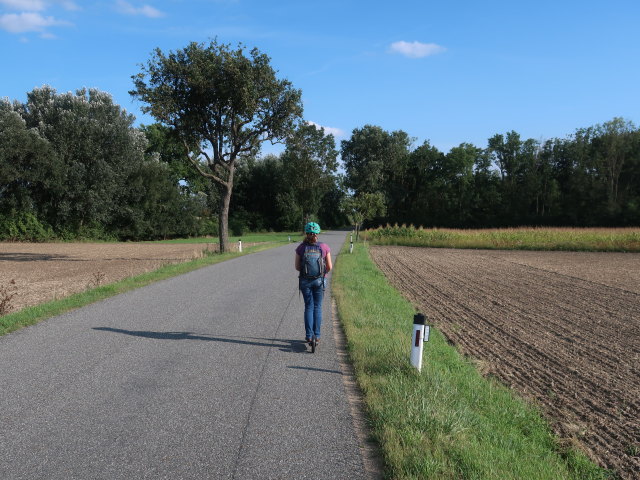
<point x="28" y="22"/>
<point x="30" y="5"/>
<point x="145" y="10"/>
<point x="416" y="49"/>
<point x="336" y="132"/>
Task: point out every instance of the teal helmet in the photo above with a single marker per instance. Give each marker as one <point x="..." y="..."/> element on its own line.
<point x="312" y="227"/>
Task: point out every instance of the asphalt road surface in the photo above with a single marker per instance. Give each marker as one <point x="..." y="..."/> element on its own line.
<point x="202" y="376"/>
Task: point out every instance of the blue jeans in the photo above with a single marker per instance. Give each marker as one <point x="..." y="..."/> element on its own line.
<point x="312" y="292"/>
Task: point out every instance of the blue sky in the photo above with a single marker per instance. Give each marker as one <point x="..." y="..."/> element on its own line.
<point x="447" y="72"/>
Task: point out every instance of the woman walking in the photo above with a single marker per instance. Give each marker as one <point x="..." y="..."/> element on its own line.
<point x="313" y="261"/>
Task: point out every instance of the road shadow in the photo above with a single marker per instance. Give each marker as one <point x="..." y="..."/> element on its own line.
<point x="285" y="345"/>
<point x="315" y="369"/>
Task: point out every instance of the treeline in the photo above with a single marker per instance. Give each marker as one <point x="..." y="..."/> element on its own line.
<point x="283" y="192"/>
<point x="73" y="165"/>
<point x="591" y="178"/>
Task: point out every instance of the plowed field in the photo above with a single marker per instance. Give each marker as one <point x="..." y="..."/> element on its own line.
<point x="561" y="328"/>
<point x="49" y="271"/>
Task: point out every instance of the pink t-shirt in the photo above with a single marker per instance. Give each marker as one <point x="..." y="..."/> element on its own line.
<point x="323" y="247"/>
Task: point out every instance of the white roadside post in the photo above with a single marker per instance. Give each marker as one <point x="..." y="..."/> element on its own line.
<point x="351" y="244"/>
<point x="240" y="246"/>
<point x="420" y="335"/>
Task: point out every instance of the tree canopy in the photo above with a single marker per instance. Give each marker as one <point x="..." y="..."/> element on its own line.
<point x="222" y="104"/>
<point x="73" y="165"/>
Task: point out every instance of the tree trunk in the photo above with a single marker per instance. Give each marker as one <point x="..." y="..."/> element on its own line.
<point x="223" y="218"/>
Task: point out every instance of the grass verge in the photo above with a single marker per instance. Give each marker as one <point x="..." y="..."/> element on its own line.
<point x="447" y="422"/>
<point x="35" y="314"/>
<point x="569" y="239"/>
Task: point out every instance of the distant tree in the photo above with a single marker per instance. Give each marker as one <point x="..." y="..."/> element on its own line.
<point x="505" y="150"/>
<point x="310" y="161"/>
<point x="375" y="160"/>
<point x="486" y="204"/>
<point x="426" y="192"/>
<point x="548" y="191"/>
<point x="614" y="144"/>
<point x="521" y="173"/>
<point x="222" y="105"/>
<point x="331" y="214"/>
<point x="260" y="183"/>
<point x="362" y="207"/>
<point x="458" y="169"/>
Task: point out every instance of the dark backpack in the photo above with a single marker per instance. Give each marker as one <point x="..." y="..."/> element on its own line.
<point x="312" y="263"/>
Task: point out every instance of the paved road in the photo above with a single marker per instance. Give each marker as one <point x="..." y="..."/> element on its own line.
<point x="203" y="376"/>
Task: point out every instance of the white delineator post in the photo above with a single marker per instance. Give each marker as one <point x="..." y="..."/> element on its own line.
<point x="420" y="335"/>
<point x="240" y="245"/>
<point x="351" y="245"/>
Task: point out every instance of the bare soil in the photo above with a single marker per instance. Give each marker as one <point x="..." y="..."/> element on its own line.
<point x="49" y="271"/>
<point x="561" y="328"/>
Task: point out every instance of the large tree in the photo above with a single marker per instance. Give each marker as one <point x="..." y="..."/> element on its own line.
<point x="94" y="149"/>
<point x="222" y="104"/>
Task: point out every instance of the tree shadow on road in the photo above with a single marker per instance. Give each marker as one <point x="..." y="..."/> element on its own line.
<point x="284" y="345"/>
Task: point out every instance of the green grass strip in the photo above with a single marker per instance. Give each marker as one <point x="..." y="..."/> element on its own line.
<point x="35" y="314"/>
<point x="447" y="422"/>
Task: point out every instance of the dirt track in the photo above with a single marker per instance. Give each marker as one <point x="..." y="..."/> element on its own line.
<point x="561" y="328"/>
<point x="48" y="271"/>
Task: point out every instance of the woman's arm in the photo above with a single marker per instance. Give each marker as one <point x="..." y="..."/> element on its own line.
<point x="297" y="262"/>
<point x="327" y="262"/>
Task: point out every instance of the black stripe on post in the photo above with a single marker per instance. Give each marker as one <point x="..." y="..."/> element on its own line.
<point x="419" y="319"/>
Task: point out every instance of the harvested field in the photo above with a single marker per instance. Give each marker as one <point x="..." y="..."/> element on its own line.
<point x="49" y="271"/>
<point x="561" y="328"/>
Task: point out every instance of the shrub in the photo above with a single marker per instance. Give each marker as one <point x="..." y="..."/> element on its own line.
<point x="238" y="226"/>
<point x="24" y="227"/>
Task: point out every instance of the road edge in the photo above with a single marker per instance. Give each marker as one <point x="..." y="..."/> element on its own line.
<point x="369" y="450"/>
